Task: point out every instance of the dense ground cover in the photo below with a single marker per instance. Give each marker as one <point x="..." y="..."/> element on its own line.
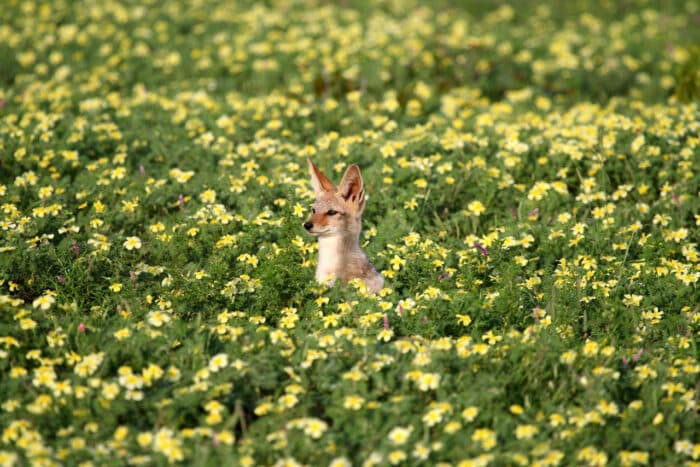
<point x="533" y="205"/>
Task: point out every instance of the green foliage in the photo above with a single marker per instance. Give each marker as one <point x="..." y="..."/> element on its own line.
<point x="688" y="78"/>
<point x="531" y="172"/>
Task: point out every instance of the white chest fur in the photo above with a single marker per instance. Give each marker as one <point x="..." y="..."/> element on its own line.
<point x="330" y="258"/>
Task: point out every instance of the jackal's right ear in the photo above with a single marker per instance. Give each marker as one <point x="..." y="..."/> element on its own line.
<point x="320" y="182"/>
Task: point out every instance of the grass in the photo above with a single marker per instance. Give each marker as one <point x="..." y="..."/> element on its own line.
<point x="533" y="205"/>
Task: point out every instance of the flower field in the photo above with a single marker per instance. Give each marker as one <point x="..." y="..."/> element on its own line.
<point x="533" y="203"/>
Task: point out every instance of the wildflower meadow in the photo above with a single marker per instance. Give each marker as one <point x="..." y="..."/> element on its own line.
<point x="533" y="202"/>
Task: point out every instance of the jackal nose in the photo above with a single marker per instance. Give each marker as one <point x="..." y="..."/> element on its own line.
<point x="308" y="225"/>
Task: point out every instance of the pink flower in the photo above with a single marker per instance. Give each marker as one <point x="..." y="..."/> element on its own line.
<point x="386" y="321"/>
<point x="81" y="327"/>
<point x="676" y="199"/>
<point x="637" y="355"/>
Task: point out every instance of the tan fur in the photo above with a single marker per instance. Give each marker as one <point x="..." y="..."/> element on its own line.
<point x="339" y="252"/>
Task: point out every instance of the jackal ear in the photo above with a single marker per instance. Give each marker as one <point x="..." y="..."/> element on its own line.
<point x="319" y="181"/>
<point x="350" y="187"/>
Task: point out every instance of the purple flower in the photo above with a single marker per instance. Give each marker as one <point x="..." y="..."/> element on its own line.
<point x="481" y="249"/>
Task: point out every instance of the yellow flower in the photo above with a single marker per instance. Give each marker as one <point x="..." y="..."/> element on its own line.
<point x="110" y="391"/>
<point x="433" y="417"/>
<point x="538" y="191"/>
<point x="525" y="431"/>
<point x="578" y="229"/>
<point x="452" y="427"/>
<point x="590" y="348"/>
<point x="592" y="456"/>
<point x="213" y="418"/>
<point x="44" y="302"/>
<point x="470" y="413"/>
<point x="568" y="357"/>
<point x="144" y="439"/>
<point x="464" y="320"/>
<point x="556" y="420"/>
<point x="122" y="334"/>
<point x="89" y="364"/>
<point x="396" y="262"/>
<point x="637" y="143"/>
<point x="218" y="362"/>
<point x="428" y="381"/>
<point x="399" y="435"/>
<point x="263" y="409"/>
<point x="27" y="324"/>
<point x="226" y="437"/>
<point x="121" y="433"/>
<point x="315" y="428"/>
<point x="353" y="402"/>
<point x="486" y="437"/>
<point x="288" y="400"/>
<point x="476" y="208"/>
<point x="18" y="372"/>
<point x="298" y="210"/>
<point x="132" y="243"/>
<point x="181" y="176"/>
<point x="608" y="408"/>
<point x="340" y="462"/>
<point x="629" y="458"/>
<point x="632" y="299"/>
<point x="385" y="335"/>
<point x="396" y="457"/>
<point x="77" y="443"/>
<point x="208" y="196"/>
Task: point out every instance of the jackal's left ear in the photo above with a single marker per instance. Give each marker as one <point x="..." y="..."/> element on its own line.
<point x="319" y="181"/>
<point x="350" y="187"/>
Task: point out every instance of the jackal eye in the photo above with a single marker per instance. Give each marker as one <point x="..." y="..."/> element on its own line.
<point x="331" y="212"/>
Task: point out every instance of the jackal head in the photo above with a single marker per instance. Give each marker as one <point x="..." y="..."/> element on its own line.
<point x="337" y="210"/>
